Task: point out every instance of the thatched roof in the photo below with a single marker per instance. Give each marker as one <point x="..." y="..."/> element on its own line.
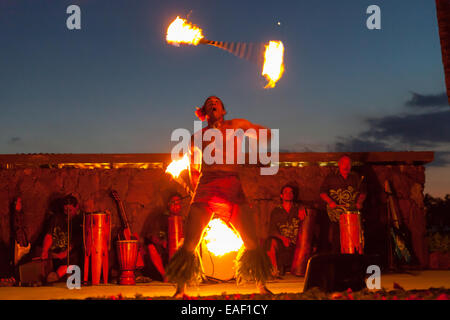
<point x="443" y="17"/>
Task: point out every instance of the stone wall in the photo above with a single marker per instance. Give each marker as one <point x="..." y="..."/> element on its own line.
<point x="145" y="191"/>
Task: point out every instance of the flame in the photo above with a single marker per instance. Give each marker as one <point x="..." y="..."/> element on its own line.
<point x="273" y="67"/>
<point x="221" y="239"/>
<point x="177" y="166"/>
<point x="181" y="31"/>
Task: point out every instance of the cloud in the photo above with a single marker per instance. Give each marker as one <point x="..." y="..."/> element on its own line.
<point x="441" y="159"/>
<point x="306" y="147"/>
<point x="358" y="144"/>
<point x="426" y="101"/>
<point x="426" y="130"/>
<point x="14" y="140"/>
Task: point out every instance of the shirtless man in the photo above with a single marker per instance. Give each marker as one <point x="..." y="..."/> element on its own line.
<point x="219" y="193"/>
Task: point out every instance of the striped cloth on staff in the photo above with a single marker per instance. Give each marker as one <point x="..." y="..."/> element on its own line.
<point x="249" y="51"/>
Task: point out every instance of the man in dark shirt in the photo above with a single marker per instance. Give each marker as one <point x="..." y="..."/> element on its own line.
<point x="342" y="190"/>
<point x="64" y="239"/>
<point x="285" y="226"/>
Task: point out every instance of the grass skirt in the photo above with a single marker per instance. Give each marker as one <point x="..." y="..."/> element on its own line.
<point x="253" y="265"/>
<point x="184" y="267"/>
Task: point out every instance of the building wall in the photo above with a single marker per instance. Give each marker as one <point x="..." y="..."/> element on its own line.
<point x="145" y="191"/>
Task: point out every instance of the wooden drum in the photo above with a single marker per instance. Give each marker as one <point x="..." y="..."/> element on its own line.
<point x="127" y="253"/>
<point x="96" y="239"/>
<point x="352" y="239"/>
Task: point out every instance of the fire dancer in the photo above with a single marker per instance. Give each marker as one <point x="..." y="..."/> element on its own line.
<point x="63" y="240"/>
<point x="157" y="243"/>
<point x="219" y="193"/>
<point x="285" y="226"/>
<point x="341" y="190"/>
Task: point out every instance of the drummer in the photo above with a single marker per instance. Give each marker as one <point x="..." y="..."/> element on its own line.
<point x="341" y="190"/>
<point x="65" y="227"/>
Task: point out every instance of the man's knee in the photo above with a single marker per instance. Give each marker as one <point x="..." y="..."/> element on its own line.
<point x="273" y="244"/>
<point x="152" y="250"/>
<point x="61" y="271"/>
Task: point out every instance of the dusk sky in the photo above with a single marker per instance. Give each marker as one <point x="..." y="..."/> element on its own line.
<point x="116" y="86"/>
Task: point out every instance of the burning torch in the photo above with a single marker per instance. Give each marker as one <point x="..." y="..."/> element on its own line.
<point x="177" y="169"/>
<point x="181" y="31"/>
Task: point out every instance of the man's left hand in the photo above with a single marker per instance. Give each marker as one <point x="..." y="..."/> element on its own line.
<point x="18" y="205"/>
<point x="60" y="255"/>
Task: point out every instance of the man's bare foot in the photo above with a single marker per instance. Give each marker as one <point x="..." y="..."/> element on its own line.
<point x="180" y="293"/>
<point x="263" y="290"/>
<point x="276" y="274"/>
<point x="52" y="277"/>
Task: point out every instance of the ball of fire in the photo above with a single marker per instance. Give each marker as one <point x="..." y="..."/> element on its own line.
<point x="180" y="31"/>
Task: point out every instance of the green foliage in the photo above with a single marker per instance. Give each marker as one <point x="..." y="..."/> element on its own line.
<point x="438" y="242"/>
<point x="438" y="223"/>
<point x="438" y="213"/>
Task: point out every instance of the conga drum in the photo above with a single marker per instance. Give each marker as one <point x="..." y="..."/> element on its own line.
<point x="127" y="253"/>
<point x="96" y="239"/>
<point x="352" y="239"/>
<point x="303" y="248"/>
<point x="176" y="234"/>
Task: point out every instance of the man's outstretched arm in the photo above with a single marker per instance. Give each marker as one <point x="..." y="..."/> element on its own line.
<point x="244" y="124"/>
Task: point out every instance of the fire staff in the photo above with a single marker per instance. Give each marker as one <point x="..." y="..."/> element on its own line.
<point x="219" y="193"/>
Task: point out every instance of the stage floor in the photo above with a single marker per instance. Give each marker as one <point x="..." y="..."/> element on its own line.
<point x="289" y="284"/>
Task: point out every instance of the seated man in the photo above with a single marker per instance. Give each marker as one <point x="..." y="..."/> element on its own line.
<point x="285" y="227"/>
<point x="157" y="242"/>
<point x="63" y="241"/>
